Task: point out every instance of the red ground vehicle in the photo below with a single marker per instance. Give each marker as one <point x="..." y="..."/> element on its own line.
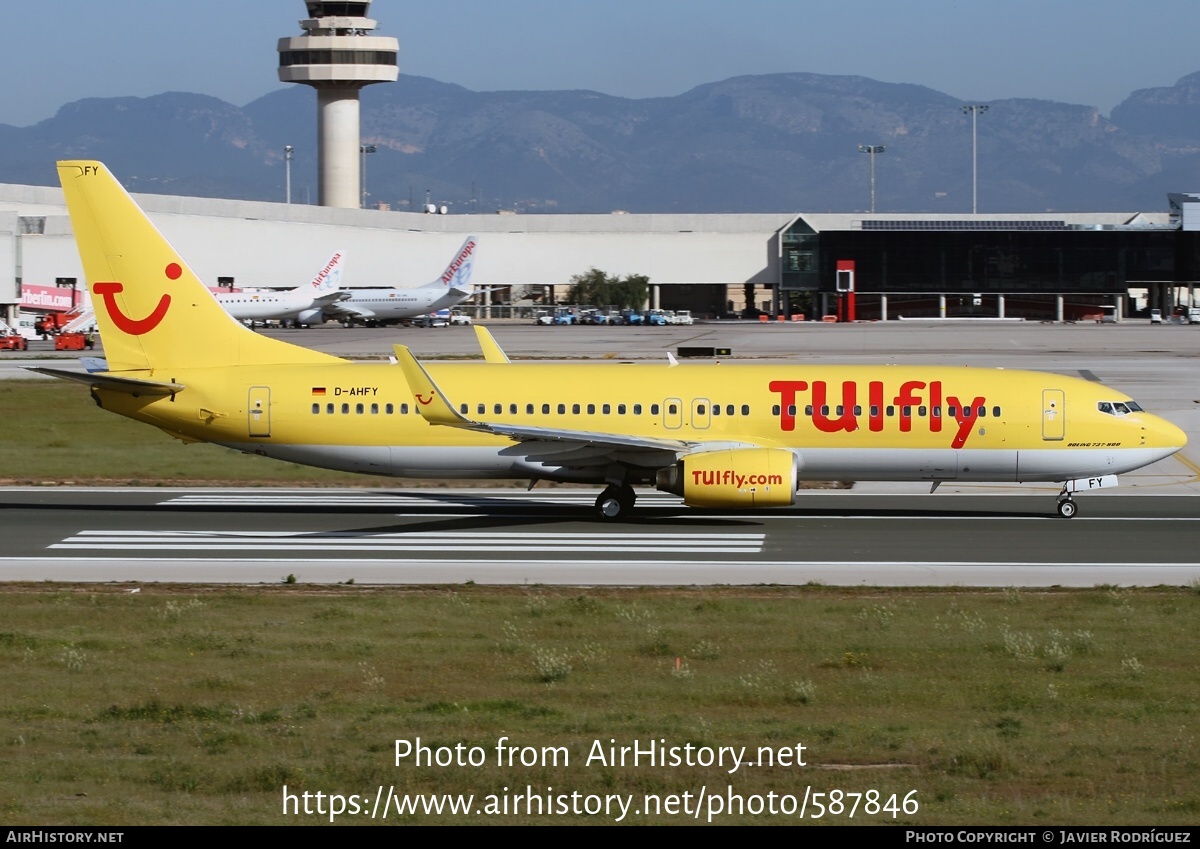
<point x="11" y="340"/>
<point x="70" y="341"/>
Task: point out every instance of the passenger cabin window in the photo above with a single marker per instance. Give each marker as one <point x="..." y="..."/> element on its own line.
<point x="654" y="409"/>
<point x="591" y="409"/>
<point x="575" y="409"/>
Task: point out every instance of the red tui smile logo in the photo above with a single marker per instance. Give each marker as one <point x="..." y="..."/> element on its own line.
<point x="135" y="326"/>
<point x="423" y="402"/>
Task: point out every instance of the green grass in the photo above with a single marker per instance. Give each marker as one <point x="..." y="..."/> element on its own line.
<point x="54" y="433"/>
<point x="196" y="705"/>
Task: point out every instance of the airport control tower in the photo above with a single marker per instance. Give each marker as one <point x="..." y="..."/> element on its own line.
<point x="337" y="55"/>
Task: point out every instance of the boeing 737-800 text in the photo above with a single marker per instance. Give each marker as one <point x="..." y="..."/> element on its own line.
<point x="720" y="435"/>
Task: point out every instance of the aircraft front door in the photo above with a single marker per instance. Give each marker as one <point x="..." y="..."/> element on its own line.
<point x="1054" y="414"/>
<point x="259" y="411"/>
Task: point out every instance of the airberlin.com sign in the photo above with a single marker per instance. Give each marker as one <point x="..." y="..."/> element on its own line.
<point x="47" y="298"/>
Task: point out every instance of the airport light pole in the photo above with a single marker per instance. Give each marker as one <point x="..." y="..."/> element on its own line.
<point x="288" y="152"/>
<point x="974" y="111"/>
<point x="365" y="149"/>
<point x="872" y="149"/>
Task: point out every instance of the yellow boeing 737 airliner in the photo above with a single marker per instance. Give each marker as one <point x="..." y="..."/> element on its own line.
<point x="720" y="435"/>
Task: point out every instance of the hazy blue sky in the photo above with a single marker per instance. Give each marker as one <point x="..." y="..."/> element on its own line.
<point x="1092" y="52"/>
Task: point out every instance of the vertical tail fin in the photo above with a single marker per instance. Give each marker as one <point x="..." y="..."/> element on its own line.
<point x="457" y="275"/>
<point x="328" y="279"/>
<point x="152" y="310"/>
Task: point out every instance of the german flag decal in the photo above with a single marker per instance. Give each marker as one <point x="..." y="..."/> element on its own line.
<point x="318" y="390"/>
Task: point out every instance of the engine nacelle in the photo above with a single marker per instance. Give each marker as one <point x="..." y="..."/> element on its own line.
<point x="313" y="316"/>
<point x="734" y="477"/>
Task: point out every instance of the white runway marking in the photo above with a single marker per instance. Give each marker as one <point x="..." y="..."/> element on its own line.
<point x="601" y="543"/>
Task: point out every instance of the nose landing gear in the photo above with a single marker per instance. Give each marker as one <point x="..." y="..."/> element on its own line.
<point x="1066" y="505"/>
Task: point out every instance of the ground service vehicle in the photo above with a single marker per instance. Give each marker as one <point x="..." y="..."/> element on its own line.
<point x="11" y="340"/>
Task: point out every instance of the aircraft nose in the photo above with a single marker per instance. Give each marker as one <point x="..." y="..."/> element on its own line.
<point x="1161" y="433"/>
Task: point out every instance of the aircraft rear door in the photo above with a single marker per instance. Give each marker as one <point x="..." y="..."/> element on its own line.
<point x="1054" y="414"/>
<point x="259" y="411"/>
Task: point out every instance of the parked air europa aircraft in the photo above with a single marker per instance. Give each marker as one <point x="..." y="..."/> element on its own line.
<point x="304" y="304"/>
<point x="720" y="435"/>
<point x="389" y="305"/>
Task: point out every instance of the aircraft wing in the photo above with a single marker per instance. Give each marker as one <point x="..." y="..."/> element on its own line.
<point x="557" y="445"/>
<point x="330" y="298"/>
<point x="345" y="309"/>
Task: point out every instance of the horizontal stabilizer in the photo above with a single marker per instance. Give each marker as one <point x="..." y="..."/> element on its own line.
<point x="128" y="385"/>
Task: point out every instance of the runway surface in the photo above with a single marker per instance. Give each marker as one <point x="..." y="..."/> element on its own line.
<point x="1145" y="532"/>
<point x="513" y="537"/>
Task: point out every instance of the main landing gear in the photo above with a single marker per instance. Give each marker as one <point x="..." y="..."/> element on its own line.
<point x="615" y="502"/>
<point x="1066" y="505"/>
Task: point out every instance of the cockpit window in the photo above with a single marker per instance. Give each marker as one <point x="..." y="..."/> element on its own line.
<point x="1118" y="408"/>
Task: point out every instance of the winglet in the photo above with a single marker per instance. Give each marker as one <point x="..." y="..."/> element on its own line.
<point x="433" y="406"/>
<point x="492" y="352"/>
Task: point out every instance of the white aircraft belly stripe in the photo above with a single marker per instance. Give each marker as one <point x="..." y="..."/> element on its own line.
<point x="404" y="500"/>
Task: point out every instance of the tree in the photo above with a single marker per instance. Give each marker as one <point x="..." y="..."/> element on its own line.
<point x="597" y="287"/>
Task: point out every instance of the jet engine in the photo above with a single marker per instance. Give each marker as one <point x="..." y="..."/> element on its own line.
<point x="734" y="477"/>
<point x="308" y="317"/>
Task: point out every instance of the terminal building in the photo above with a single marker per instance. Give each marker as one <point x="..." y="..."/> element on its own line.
<point x="1061" y="267"/>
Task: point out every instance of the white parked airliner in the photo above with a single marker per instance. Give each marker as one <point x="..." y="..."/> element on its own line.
<point x="304" y="304"/>
<point x="387" y="306"/>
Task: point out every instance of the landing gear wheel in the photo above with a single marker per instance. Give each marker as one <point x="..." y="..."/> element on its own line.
<point x="615" y="502"/>
<point x="1067" y="508"/>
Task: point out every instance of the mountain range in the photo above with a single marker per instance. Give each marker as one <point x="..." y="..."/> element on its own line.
<point x="768" y="143"/>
